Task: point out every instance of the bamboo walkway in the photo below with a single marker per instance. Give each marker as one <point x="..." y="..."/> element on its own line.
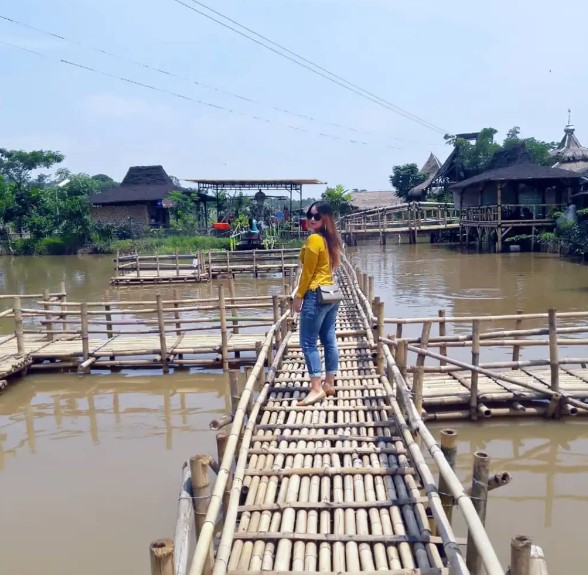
<point x="339" y="487"/>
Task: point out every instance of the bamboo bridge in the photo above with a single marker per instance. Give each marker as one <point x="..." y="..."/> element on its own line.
<point x="339" y="487"/>
<point x="407" y="220"/>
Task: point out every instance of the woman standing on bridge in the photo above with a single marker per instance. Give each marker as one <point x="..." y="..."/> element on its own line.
<point x="319" y="256"/>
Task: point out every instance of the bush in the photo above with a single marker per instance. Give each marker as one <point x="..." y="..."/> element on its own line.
<point x="24" y="247"/>
<point x="51" y="246"/>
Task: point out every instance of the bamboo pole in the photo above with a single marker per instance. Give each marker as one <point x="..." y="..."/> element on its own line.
<point x="520" y="555"/>
<point x="401" y="356"/>
<point x="474" y="374"/>
<point x="380" y="333"/>
<point x="18" y="327"/>
<point x="177" y="313"/>
<point x="162" y="338"/>
<point x="85" y="341"/>
<point x="177" y="262"/>
<point x="221" y="446"/>
<point x="516" y="349"/>
<point x="276" y="315"/>
<point x="48" y="315"/>
<point x="553" y="350"/>
<point x="184" y="524"/>
<point x="234" y="390"/>
<point x="449" y="450"/>
<point x="371" y="288"/>
<point x="107" y="314"/>
<point x="161" y="553"/>
<point x="442" y="333"/>
<point x="417" y="386"/>
<point x="224" y="332"/>
<point x="138" y="265"/>
<point x="234" y="311"/>
<point x="479" y="494"/>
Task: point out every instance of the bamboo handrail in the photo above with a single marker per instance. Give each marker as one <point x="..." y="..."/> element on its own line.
<point x="484" y="318"/>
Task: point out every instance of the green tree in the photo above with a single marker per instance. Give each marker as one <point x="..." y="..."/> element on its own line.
<point x="104" y="182"/>
<point x="17" y="166"/>
<point x="184" y="218"/>
<point x="538" y="150"/>
<point x="339" y="198"/>
<point x="406" y="177"/>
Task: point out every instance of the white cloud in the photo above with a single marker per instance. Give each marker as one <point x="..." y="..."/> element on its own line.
<point x="118" y="107"/>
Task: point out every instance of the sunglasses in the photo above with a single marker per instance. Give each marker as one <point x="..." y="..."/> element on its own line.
<point x="315" y="217"/>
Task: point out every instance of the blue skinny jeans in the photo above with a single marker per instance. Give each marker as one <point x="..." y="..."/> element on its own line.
<point x="317" y="321"/>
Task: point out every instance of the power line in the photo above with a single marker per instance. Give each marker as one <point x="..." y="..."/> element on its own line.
<point x="184" y="97"/>
<point x="309" y="65"/>
<point x="184" y="78"/>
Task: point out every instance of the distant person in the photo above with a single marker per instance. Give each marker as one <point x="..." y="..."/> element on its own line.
<point x="254" y="227"/>
<point x="319" y="256"/>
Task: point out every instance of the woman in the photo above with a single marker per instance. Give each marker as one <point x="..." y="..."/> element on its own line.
<point x="319" y="256"/>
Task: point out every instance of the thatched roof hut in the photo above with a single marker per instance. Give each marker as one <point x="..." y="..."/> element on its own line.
<point x="370" y="200"/>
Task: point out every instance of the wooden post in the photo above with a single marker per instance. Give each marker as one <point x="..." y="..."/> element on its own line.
<point x="474" y="375"/>
<point x="177" y="260"/>
<point x="370" y="288"/>
<point x="401" y="351"/>
<point x="553" y="350"/>
<point x="375" y="305"/>
<point x="380" y="316"/>
<point x="138" y="265"/>
<point x="117" y="264"/>
<point x="261" y="374"/>
<point x="283" y="263"/>
<point x="228" y="261"/>
<point x="516" y="349"/>
<point x="520" y="555"/>
<point x="62" y="300"/>
<point x="224" y="334"/>
<point x="276" y="316"/>
<point x="255" y="263"/>
<point x="107" y="314"/>
<point x="449" y="449"/>
<point x="161" y="553"/>
<point x="162" y="340"/>
<point x="221" y="445"/>
<point x="234" y="389"/>
<point x="199" y="465"/>
<point x="177" y="313"/>
<point x="284" y="326"/>
<point x="234" y="312"/>
<point x="209" y="265"/>
<point x="85" y="342"/>
<point x="442" y="333"/>
<point x="479" y="495"/>
<point x="418" y="375"/>
<point x="48" y="315"/>
<point x="157" y="264"/>
<point x="18" y="329"/>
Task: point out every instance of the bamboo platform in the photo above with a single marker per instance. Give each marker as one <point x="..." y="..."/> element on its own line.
<point x="338" y="487"/>
<point x="134" y="269"/>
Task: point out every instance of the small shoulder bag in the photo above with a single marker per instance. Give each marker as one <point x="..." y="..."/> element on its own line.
<point x="332" y="293"/>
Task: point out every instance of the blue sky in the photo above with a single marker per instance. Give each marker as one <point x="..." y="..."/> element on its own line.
<point x="461" y="65"/>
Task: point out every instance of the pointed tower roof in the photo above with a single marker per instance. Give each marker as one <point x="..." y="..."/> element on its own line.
<point x="431" y="165"/>
<point x="570" y="154"/>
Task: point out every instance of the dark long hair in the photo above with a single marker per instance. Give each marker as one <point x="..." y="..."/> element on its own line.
<point x="328" y="230"/>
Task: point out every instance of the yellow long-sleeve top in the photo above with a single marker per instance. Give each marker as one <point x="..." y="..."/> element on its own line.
<point x="316" y="267"/>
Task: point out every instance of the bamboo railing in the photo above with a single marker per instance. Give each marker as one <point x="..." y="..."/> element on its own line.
<point x="202" y="265"/>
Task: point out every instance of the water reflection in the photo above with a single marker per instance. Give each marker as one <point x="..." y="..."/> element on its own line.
<point x="60" y="407"/>
<point x="546" y="499"/>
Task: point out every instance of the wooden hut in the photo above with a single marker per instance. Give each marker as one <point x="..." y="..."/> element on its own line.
<point x="431" y="168"/>
<point x="517" y="199"/>
<point x="141" y="200"/>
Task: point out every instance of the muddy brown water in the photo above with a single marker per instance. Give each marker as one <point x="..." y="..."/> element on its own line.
<point x="90" y="466"/>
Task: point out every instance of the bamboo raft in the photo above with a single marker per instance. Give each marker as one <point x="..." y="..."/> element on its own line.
<point x="135" y="269"/>
<point x="53" y="334"/>
<point x="339" y="487"/>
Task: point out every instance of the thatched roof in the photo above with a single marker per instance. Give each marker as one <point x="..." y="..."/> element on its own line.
<point x="431" y="167"/>
<point x="523" y="171"/>
<point x="369" y="200"/>
<point x="141" y="184"/>
<point x="570" y="154"/>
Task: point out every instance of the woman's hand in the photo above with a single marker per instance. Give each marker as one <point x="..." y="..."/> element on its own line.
<point x="297" y="305"/>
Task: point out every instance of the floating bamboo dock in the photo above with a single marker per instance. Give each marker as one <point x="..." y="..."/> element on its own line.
<point x="338" y="487"/>
<point x="53" y="334"/>
<point x="201" y="266"/>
